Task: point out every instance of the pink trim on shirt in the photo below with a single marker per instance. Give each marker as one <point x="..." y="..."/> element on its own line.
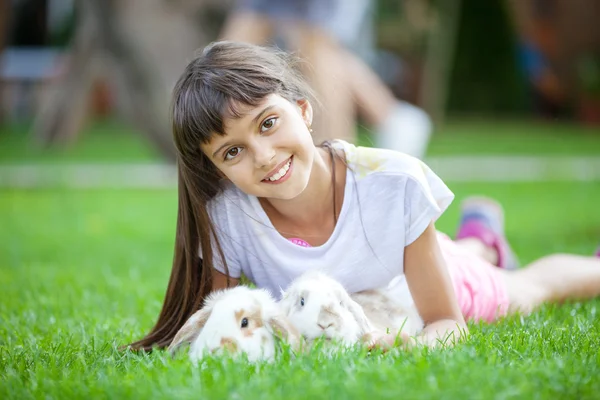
<point x="299" y="242"/>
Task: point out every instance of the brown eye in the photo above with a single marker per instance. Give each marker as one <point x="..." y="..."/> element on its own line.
<point x="244" y="322"/>
<point x="232" y="153"/>
<point x="268" y="124"/>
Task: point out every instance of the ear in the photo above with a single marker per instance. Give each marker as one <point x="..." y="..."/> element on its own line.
<point x="190" y="330"/>
<point x="358" y="313"/>
<point x="285" y="302"/>
<point x="306" y="111"/>
<point x="280" y="327"/>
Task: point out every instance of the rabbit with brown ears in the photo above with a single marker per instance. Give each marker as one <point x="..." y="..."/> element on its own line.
<point x="239" y="320"/>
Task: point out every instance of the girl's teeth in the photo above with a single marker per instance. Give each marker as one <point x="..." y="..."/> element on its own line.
<point x="281" y="172"/>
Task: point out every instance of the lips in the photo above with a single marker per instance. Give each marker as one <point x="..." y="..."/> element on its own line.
<point x="279" y="172"/>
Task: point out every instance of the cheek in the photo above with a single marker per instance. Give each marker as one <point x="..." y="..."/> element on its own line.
<point x="266" y="339"/>
<point x="248" y="332"/>
<point x="304" y="319"/>
<point x="295" y="133"/>
<point x="294" y="317"/>
<point x="239" y="173"/>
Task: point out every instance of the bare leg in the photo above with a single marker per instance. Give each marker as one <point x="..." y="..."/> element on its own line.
<point x="374" y="99"/>
<point x="554" y="278"/>
<point x="335" y="118"/>
<point x="397" y="125"/>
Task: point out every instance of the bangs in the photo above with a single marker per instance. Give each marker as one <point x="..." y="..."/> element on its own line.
<point x="201" y="107"/>
<point x="220" y="84"/>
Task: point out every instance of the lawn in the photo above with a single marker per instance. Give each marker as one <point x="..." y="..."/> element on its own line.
<point x="114" y="141"/>
<point x="85" y="271"/>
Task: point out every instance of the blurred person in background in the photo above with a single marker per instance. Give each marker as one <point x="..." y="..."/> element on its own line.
<point x="324" y="31"/>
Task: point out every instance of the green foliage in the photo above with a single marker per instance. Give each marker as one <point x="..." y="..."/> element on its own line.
<point x="589" y="74"/>
<point x="486" y="77"/>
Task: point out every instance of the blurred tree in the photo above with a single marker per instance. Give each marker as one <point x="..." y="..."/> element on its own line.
<point x="104" y="48"/>
<point x="486" y="77"/>
<point x="5" y="17"/>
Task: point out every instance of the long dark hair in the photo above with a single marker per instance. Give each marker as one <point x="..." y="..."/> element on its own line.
<point x="224" y="76"/>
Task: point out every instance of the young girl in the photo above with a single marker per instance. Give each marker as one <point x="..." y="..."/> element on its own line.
<point x="258" y="198"/>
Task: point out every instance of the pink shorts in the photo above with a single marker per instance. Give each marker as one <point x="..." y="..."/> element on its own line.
<point x="479" y="285"/>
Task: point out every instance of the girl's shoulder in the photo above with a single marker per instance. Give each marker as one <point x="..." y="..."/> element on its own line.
<point x="367" y="162"/>
<point x="392" y="174"/>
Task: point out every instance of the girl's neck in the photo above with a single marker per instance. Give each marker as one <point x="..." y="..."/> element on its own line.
<point x="314" y="206"/>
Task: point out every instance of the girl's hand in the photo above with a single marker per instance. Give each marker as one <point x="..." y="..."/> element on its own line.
<point x="386" y="341"/>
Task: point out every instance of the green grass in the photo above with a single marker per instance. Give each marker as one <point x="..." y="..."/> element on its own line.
<point x="85" y="271"/>
<point x="112" y="141"/>
<point x="102" y="141"/>
<point x="472" y="136"/>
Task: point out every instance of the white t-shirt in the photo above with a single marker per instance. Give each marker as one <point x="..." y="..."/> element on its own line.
<point x="389" y="200"/>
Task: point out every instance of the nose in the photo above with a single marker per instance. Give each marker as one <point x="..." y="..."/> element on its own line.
<point x="264" y="154"/>
<point x="228" y="344"/>
<point x="325" y="325"/>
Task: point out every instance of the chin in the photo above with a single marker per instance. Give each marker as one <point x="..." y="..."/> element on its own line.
<point x="287" y="192"/>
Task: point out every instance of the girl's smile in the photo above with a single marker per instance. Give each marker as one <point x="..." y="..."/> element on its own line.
<point x="281" y="173"/>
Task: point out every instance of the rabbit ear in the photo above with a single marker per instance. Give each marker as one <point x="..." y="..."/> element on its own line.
<point x="280" y="327"/>
<point x="285" y="306"/>
<point x="357" y="312"/>
<point x="190" y="330"/>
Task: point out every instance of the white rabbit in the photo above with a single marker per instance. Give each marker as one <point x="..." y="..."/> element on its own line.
<point x="391" y="308"/>
<point x="239" y="320"/>
<point x="318" y="305"/>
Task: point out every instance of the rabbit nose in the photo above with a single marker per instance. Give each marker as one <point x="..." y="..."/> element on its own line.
<point x="229" y="344"/>
<point x="325" y="325"/>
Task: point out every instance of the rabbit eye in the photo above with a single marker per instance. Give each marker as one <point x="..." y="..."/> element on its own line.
<point x="244" y="322"/>
<point x="302" y="301"/>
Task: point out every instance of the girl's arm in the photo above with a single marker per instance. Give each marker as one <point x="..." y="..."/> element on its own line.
<point x="432" y="290"/>
<point x="220" y="281"/>
<point x="433" y="294"/>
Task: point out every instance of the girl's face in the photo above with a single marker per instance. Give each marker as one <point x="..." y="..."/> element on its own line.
<point x="267" y="152"/>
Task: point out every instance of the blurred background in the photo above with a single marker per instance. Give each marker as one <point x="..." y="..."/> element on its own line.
<point x="90" y="80"/>
<point x="511" y="87"/>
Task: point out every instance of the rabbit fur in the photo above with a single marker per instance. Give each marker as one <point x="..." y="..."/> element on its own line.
<point x="318" y="305"/>
<point x="237" y="320"/>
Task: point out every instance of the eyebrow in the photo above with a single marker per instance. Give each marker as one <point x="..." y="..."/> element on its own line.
<point x="254" y="121"/>
<point x="221" y="148"/>
<point x="259" y="115"/>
